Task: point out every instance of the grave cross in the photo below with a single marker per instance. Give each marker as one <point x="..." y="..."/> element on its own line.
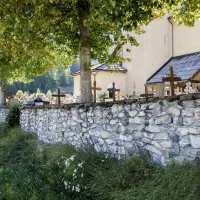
<point x="147" y="95"/>
<point x="171" y="78"/>
<point x="58" y="95"/>
<point x="113" y="90"/>
<point x="119" y="95"/>
<point x="95" y="88"/>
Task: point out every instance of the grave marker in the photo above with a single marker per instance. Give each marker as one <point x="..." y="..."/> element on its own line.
<point x="113" y="90"/>
<point x="95" y="88"/>
<point x="119" y="95"/>
<point x="58" y="96"/>
<point x="171" y="77"/>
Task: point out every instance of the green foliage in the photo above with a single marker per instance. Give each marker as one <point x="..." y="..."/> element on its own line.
<point x="13" y="115"/>
<point x="30" y="169"/>
<point x="49" y="81"/>
<point x="102" y="97"/>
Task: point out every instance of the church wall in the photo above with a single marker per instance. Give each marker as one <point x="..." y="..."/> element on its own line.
<point x="103" y="79"/>
<point x="155" y="48"/>
<point x="186" y="39"/>
<point x="77" y="86"/>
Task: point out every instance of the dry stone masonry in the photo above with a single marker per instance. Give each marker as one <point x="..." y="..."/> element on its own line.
<point x="167" y="131"/>
<point x="3" y="112"/>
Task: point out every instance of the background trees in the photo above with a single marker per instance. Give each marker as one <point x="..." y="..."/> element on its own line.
<point x="49" y="81"/>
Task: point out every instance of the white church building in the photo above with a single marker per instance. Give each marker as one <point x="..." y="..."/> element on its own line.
<point x="163" y="42"/>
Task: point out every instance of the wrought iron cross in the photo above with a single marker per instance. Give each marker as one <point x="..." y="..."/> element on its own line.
<point x="59" y="96"/>
<point x="171" y="78"/>
<point x="113" y="90"/>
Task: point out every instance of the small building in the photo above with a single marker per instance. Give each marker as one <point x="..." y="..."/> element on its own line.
<point x="104" y="76"/>
<point x="187" y="67"/>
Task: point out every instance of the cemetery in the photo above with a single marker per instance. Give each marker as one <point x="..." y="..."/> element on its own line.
<point x="99" y="100"/>
<point x="167" y="129"/>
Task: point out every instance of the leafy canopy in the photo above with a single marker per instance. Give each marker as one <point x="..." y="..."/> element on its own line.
<point x="38" y="35"/>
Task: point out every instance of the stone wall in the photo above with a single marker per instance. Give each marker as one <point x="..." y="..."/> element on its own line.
<point x="165" y="130"/>
<point x="3" y="112"/>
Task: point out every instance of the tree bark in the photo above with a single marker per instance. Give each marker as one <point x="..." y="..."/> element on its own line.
<point x="2" y="93"/>
<point x="85" y="51"/>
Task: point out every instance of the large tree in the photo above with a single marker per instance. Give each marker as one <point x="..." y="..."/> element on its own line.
<point x="21" y="57"/>
<point x="86" y="29"/>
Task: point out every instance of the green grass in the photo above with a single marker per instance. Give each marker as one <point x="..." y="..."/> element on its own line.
<point x="32" y="170"/>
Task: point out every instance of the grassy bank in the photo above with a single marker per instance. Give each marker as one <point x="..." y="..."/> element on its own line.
<point x="31" y="170"/>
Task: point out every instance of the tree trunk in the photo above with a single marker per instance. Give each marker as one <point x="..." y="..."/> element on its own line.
<point x="85" y="51"/>
<point x="2" y="93"/>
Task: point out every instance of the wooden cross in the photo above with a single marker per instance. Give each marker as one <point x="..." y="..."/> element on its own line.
<point x="58" y="95"/>
<point x="119" y="95"/>
<point x="95" y="88"/>
<point x="171" y="78"/>
<point x="113" y="90"/>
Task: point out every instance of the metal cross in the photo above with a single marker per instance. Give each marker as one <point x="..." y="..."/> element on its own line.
<point x="58" y="95"/>
<point x="113" y="90"/>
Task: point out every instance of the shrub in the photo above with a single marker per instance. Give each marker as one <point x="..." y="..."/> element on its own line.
<point x="13" y="116"/>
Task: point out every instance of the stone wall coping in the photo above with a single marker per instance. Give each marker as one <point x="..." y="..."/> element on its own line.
<point x="178" y="98"/>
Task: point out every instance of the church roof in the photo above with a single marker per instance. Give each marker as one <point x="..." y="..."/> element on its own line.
<point x="185" y="67"/>
<point x="104" y="67"/>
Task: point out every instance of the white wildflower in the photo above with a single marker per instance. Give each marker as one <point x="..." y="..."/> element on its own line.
<point x="78" y="188"/>
<point x="67" y="163"/>
<point x="80" y="164"/>
<point x="72" y="157"/>
<point x="66" y="183"/>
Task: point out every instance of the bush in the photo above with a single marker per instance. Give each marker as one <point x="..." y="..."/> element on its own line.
<point x="13" y="116"/>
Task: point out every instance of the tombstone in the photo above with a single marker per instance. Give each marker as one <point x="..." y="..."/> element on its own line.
<point x="188" y="89"/>
<point x="177" y="91"/>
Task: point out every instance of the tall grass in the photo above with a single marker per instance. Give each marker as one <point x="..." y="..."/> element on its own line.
<point x="32" y="170"/>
